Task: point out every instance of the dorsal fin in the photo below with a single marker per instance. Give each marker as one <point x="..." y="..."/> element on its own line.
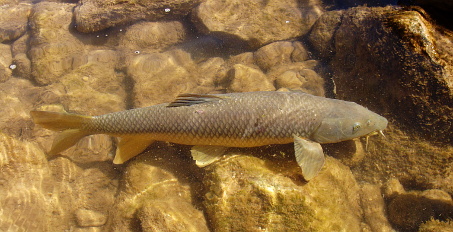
<point x="189" y="99"/>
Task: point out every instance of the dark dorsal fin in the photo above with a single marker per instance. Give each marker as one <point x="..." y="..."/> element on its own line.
<point x="189" y="99"/>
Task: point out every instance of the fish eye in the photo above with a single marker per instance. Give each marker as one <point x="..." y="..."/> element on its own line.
<point x="368" y="122"/>
<point x="356" y="127"/>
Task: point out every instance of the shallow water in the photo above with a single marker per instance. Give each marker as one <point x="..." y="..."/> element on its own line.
<point x="95" y="58"/>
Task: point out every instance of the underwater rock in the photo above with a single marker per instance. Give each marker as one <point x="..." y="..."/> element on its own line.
<point x="273" y="54"/>
<point x="6" y="60"/>
<point x="246" y="193"/>
<point x="13" y="20"/>
<point x="300" y="53"/>
<point x="27" y="197"/>
<point x="146" y="37"/>
<point x="298" y="76"/>
<point x="321" y="36"/>
<point x="20" y="59"/>
<point x="415" y="162"/>
<point x="95" y="15"/>
<point x="18" y="97"/>
<point x="248" y="79"/>
<point x="54" y="49"/>
<point x="160" y="77"/>
<point x="436" y="226"/>
<point x="89" y="218"/>
<point x="413" y="83"/>
<point x="373" y="206"/>
<point x="211" y="73"/>
<point x="409" y="210"/>
<point x="272" y="20"/>
<point x="155" y="194"/>
<point x="96" y="79"/>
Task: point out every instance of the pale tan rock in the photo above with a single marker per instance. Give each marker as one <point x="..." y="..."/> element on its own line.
<point x="245" y="193"/>
<point x="6" y="60"/>
<point x="373" y="206"/>
<point x="436" y="225"/>
<point x="300" y="53"/>
<point x="248" y="79"/>
<point x="393" y="188"/>
<point x="155" y="191"/>
<point x="160" y="77"/>
<point x="273" y="54"/>
<point x="297" y="76"/>
<point x="26" y="196"/>
<point x="272" y="20"/>
<point x="89" y="218"/>
<point x="13" y="20"/>
<point x="17" y="96"/>
<point x="146" y="37"/>
<point x="95" y="15"/>
<point x="93" y="88"/>
<point x="54" y="49"/>
<point x="20" y="58"/>
<point x="210" y="74"/>
<point x="170" y="215"/>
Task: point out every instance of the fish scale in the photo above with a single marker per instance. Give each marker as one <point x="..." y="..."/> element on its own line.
<point x="225" y="120"/>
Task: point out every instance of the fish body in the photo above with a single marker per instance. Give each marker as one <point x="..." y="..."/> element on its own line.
<point x="211" y="122"/>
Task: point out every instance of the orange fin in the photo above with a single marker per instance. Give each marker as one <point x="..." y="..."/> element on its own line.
<point x="128" y="147"/>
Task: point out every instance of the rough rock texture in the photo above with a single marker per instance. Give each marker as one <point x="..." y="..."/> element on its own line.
<point x="436" y="225"/>
<point x="95" y="15"/>
<point x="6" y="60"/>
<point x="54" y="49"/>
<point x="373" y="205"/>
<point x="248" y="79"/>
<point x="26" y="195"/>
<point x="20" y="59"/>
<point x="402" y="58"/>
<point x="148" y="37"/>
<point x="298" y="76"/>
<point x="272" y="20"/>
<point x="160" y="77"/>
<point x="18" y="98"/>
<point x="414" y="161"/>
<point x="13" y="20"/>
<point x="156" y="195"/>
<point x="247" y="193"/>
<point x="408" y="210"/>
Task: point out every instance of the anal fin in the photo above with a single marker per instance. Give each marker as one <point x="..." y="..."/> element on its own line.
<point x="309" y="156"/>
<point x="128" y="147"/>
<point x="206" y="155"/>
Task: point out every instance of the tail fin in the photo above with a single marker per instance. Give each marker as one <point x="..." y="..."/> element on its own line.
<point x="70" y="125"/>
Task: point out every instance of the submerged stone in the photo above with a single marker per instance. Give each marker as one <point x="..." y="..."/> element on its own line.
<point x="247" y="193"/>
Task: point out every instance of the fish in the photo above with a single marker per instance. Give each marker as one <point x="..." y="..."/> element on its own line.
<point x="212" y="123"/>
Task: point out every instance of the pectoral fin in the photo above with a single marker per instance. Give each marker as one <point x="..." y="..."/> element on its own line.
<point x="309" y="156"/>
<point x="206" y="155"/>
<point x="129" y="147"/>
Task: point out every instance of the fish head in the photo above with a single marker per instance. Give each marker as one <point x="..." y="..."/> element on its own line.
<point x="348" y="120"/>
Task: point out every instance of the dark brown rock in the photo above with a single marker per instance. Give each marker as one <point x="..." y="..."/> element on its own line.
<point x="403" y="59"/>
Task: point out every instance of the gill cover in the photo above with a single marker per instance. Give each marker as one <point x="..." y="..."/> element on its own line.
<point x="347" y="121"/>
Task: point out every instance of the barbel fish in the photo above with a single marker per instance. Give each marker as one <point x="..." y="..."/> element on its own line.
<point x="213" y="122"/>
